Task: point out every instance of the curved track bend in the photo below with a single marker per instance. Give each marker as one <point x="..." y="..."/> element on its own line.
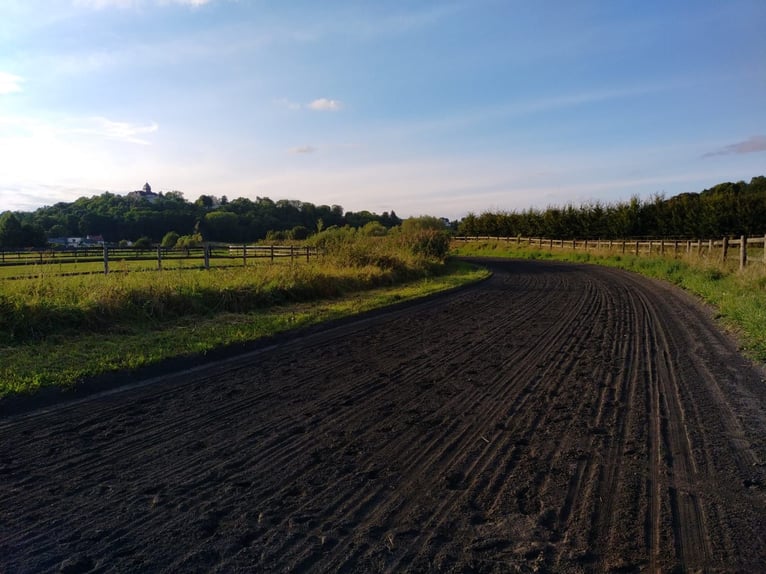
<point x="555" y="418"/>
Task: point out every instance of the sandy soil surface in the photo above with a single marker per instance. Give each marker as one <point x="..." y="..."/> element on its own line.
<point x="555" y="418"/>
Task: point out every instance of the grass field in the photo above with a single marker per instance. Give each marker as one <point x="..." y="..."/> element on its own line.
<point x="59" y="330"/>
<point x="31" y="264"/>
<point x="739" y="296"/>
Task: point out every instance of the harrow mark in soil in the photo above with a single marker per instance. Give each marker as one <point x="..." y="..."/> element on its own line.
<point x="556" y="418"/>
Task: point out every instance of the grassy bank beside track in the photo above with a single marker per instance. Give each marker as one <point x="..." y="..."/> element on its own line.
<point x="59" y="331"/>
<point x="739" y="296"/>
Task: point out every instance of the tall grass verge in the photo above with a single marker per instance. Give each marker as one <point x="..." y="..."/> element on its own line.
<point x="739" y="297"/>
<point x="61" y="330"/>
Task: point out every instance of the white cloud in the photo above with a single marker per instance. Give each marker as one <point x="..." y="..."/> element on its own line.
<point x="10" y="83"/>
<point x="324" y="105"/>
<point x="319" y="105"/>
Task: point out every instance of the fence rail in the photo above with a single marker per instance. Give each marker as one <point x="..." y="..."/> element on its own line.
<point x="177" y="258"/>
<point x="710" y="248"/>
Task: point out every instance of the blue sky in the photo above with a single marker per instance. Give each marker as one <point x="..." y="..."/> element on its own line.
<point x="436" y="108"/>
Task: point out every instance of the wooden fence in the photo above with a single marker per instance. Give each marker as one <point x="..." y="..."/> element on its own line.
<point x="184" y="258"/>
<point x="710" y="248"/>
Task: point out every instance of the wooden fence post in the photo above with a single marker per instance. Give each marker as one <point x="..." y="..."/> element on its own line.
<point x="637" y="246"/>
<point x="106" y="260"/>
<point x="650" y="248"/>
<point x="271" y="251"/>
<point x="662" y="247"/>
<point x="742" y="251"/>
<point x="624" y="244"/>
<point x="206" y="255"/>
<point x="307" y="254"/>
<point x="725" y="248"/>
<point x="244" y="255"/>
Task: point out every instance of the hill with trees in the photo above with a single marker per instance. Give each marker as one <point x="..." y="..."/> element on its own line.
<point x="153" y="215"/>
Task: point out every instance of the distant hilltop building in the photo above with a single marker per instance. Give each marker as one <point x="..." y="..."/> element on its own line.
<point x="144" y="193"/>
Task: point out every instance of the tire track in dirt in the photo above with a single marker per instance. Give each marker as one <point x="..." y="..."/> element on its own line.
<point x="423" y="460"/>
<point x="557" y="418"/>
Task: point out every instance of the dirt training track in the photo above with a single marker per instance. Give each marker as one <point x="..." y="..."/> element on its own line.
<point x="555" y="418"/>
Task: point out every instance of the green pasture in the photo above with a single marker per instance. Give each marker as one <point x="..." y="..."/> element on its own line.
<point x="32" y="265"/>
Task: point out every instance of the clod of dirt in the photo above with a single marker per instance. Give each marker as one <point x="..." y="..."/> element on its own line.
<point x="753" y="483"/>
<point x="456" y="481"/>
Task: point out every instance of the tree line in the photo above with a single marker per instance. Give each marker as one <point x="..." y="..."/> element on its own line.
<point x="731" y="209"/>
<point x="132" y="217"/>
<point x="727" y="209"/>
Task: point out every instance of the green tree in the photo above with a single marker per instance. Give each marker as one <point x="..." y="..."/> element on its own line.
<point x="221" y="226"/>
<point x="142" y="243"/>
<point x="57" y="230"/>
<point x="299" y="232"/>
<point x="423" y="222"/>
<point x="189" y="241"/>
<point x="374" y="229"/>
<point x="169" y="240"/>
<point x="11" y="234"/>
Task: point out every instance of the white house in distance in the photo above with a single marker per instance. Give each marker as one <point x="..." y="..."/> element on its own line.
<point x="75" y="242"/>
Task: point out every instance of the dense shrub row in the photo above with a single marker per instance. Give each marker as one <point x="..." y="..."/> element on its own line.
<point x="725" y="209"/>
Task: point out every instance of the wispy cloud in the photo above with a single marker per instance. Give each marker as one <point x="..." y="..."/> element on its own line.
<point x="386" y="21"/>
<point x="290" y="105"/>
<point x="118" y="131"/>
<point x="464" y="118"/>
<point x="325" y="105"/>
<point x="30" y="196"/>
<point x="99" y="127"/>
<point x="191" y="2"/>
<point x="10" y="83"/>
<point x="318" y="105"/>
<point x="101" y="4"/>
<point x="751" y="145"/>
<point x="303" y="149"/>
